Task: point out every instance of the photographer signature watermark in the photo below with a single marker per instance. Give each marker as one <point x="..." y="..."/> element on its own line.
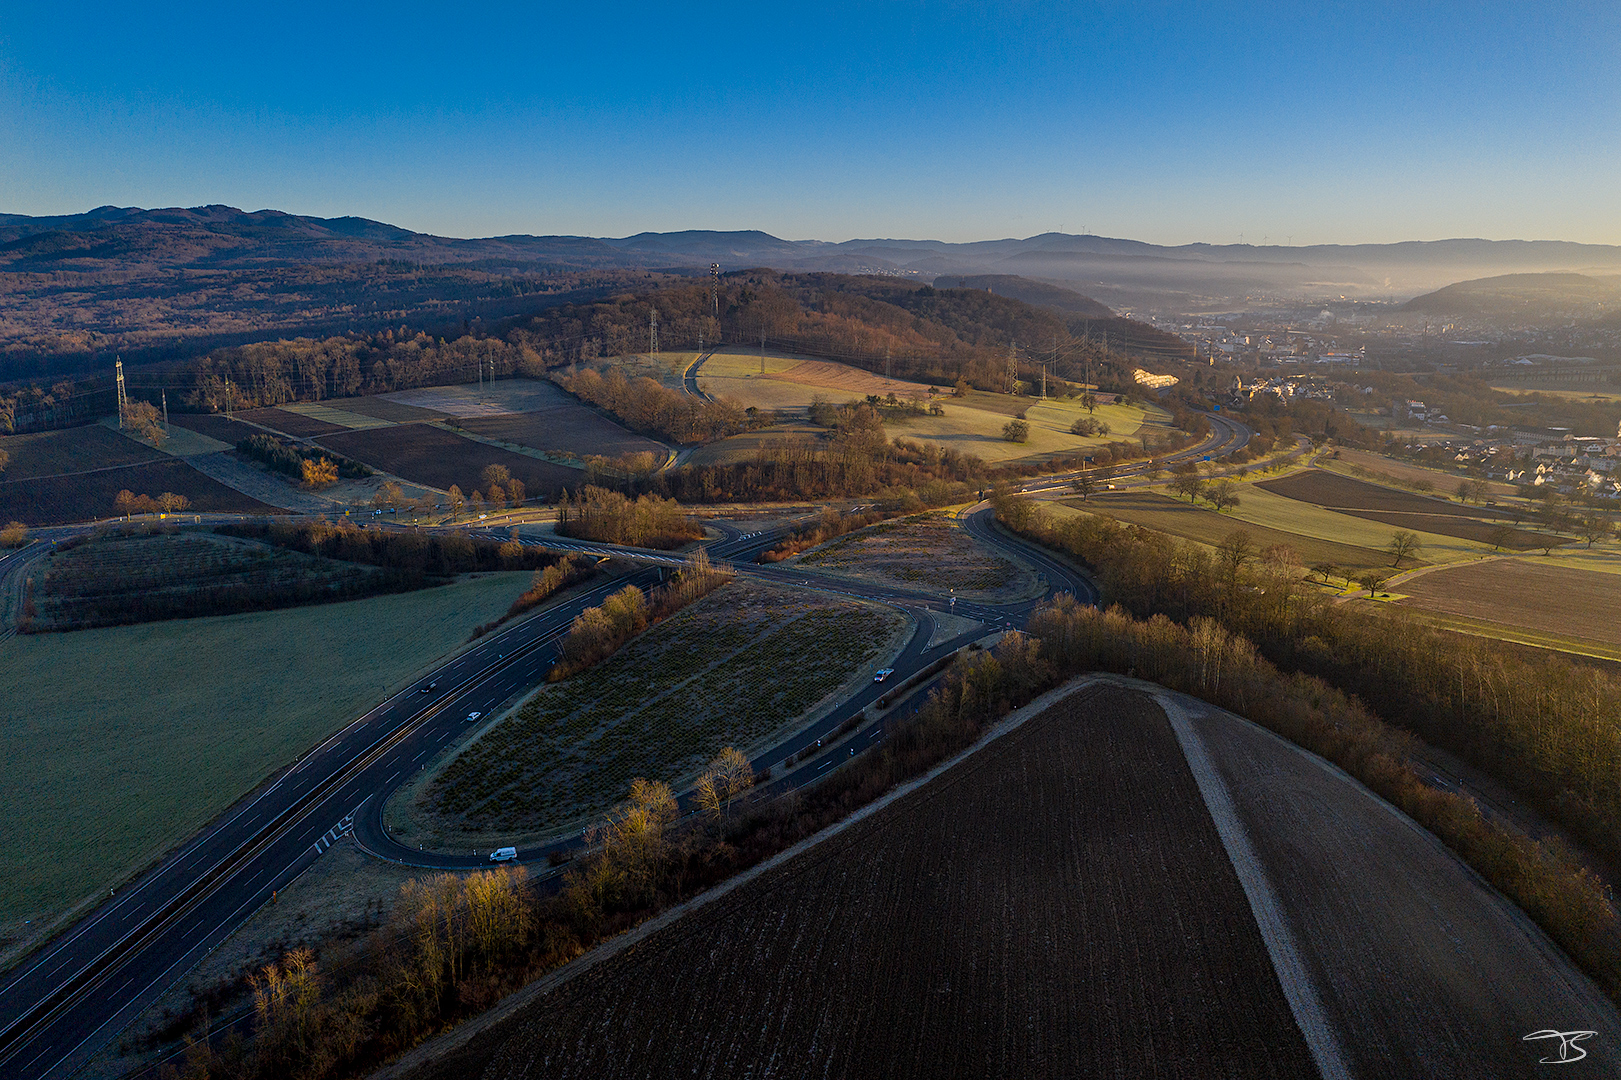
<point x="1568" y="1050"/>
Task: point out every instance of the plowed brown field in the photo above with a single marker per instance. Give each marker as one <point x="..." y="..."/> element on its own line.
<point x="71" y="450"/>
<point x="439" y="458"/>
<point x="1058" y="905"/>
<point x="56" y="500"/>
<point x="215" y="426"/>
<point x="1517" y="592"/>
<point x="568" y="429"/>
<point x="290" y="423"/>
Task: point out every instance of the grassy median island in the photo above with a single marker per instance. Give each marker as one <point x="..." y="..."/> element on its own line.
<point x="120" y="742"/>
<point x="927" y="551"/>
<point x="739" y="668"/>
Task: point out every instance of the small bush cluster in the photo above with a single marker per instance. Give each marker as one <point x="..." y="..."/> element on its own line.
<point x="546" y="583"/>
<point x="611" y="518"/>
<point x="126" y="502"/>
<point x="599" y="632"/>
<point x="285" y="457"/>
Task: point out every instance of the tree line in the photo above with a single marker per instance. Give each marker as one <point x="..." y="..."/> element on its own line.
<point x="434" y="555"/>
<point x="599" y="632"/>
<point x="646" y="406"/>
<point x="1548" y="729"/>
<point x="609" y="517"/>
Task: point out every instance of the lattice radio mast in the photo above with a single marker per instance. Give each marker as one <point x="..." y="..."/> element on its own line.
<point x="714" y="287"/>
<point x="118" y="375"/>
<point x="1013" y="367"/>
<point x="653" y="331"/>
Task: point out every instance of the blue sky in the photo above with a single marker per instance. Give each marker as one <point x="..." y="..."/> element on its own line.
<point x="1319" y="122"/>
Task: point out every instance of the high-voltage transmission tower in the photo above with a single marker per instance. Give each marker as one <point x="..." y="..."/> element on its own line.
<point x="653" y="332"/>
<point x="118" y="376"/>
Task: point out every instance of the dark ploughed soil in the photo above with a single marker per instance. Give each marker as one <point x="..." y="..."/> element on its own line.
<point x="56" y="500"/>
<point x="215" y="426"/>
<point x="439" y="458"/>
<point x="1343" y="493"/>
<point x="570" y="429"/>
<point x="1401" y="509"/>
<point x="1059" y="905"/>
<point x="1559" y="600"/>
<point x="49" y="453"/>
<point x="290" y="423"/>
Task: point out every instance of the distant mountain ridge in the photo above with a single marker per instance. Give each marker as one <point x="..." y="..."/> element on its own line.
<point x="224" y="236"/>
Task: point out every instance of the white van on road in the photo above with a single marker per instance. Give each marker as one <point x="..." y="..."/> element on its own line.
<point x="504" y="854"/>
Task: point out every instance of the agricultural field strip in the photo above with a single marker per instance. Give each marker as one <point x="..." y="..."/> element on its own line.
<point x="59" y="500"/>
<point x="435" y="456"/>
<point x="1259" y="506"/>
<point x="568" y="461"/>
<point x="1400" y="509"/>
<point x="1516" y="635"/>
<point x="256" y="889"/>
<point x="602" y="739"/>
<point x="71" y="451"/>
<point x="1164" y="514"/>
<point x="1396" y="472"/>
<point x="93" y="816"/>
<point x="1334" y="491"/>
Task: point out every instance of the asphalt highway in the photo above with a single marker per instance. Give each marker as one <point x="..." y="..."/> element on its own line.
<point x="75" y="994"/>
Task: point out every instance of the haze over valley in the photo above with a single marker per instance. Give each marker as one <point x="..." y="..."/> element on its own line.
<point x="551" y="542"/>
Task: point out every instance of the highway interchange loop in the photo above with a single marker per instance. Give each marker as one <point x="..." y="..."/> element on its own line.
<point x="75" y="994"/>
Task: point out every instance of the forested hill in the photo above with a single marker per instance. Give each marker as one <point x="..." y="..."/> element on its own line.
<point x="1031" y="292"/>
<point x="911" y="330"/>
<point x="1531" y="297"/>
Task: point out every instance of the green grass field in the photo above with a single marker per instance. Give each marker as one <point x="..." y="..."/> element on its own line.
<point x="1204" y="525"/>
<point x="737" y="669"/>
<point x="121" y="742"/>
<point x="1261" y="507"/>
